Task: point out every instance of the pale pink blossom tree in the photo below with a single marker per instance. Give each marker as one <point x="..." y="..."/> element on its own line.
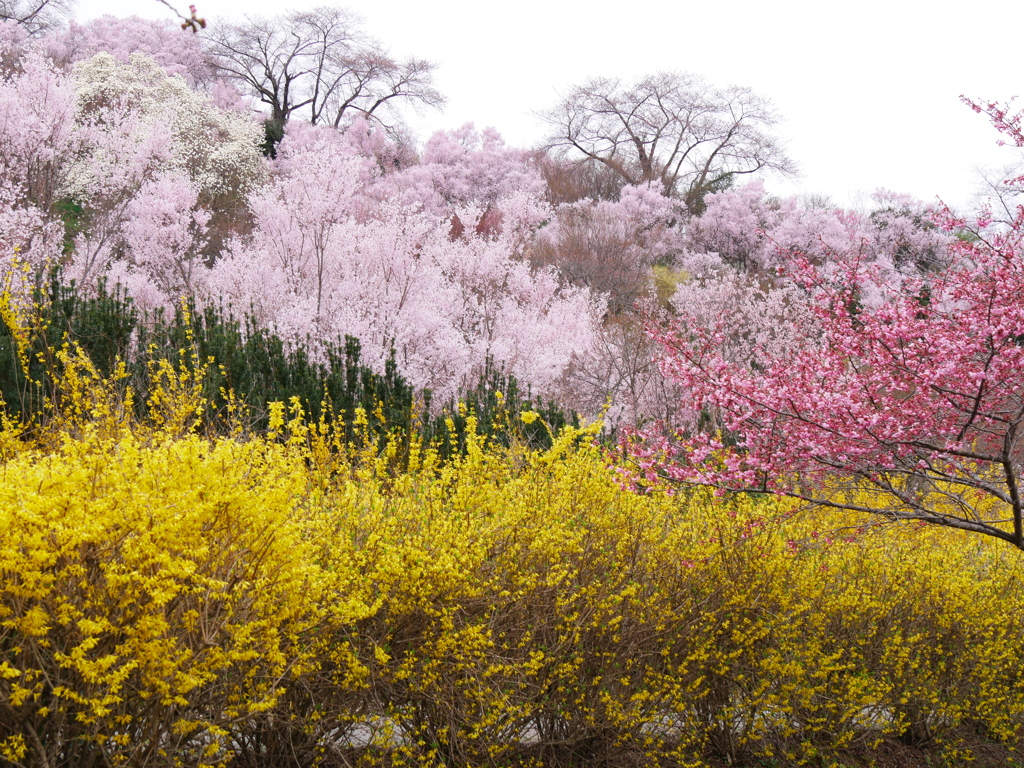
<point x="162" y="41"/>
<point x="612" y="246"/>
<point x="164" y="233"/>
<point x="457" y="169"/>
<point x="39" y="144"/>
<point x="467" y="165"/>
<point x="15" y="44"/>
<point x="748" y="229"/>
<point x="332" y="256"/>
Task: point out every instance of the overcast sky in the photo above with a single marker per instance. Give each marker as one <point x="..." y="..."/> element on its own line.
<point x="868" y="90"/>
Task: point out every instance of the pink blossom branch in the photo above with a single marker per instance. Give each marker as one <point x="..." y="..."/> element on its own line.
<point x="907" y="381"/>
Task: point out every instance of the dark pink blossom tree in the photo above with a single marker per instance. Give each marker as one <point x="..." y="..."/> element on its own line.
<point x="910" y="406"/>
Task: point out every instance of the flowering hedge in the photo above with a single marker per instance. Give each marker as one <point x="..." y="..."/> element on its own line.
<point x="167" y="599"/>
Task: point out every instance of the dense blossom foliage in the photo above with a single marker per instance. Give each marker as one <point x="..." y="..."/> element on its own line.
<point x="162" y="167"/>
<point x="39" y="144"/>
<point x="150" y="183"/>
<point x="737" y="257"/>
<point x="906" y="383"/>
<point x="160" y="41"/>
<point x="120" y="163"/>
<point x="329" y="257"/>
<point x="749" y="230"/>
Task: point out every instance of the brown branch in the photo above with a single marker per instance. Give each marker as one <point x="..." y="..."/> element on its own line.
<point x="193" y="22"/>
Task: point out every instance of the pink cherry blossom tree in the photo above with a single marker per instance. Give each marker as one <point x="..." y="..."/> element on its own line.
<point x="467" y="165"/>
<point x="162" y="41"/>
<point x="910" y="406"/>
<point x="748" y="230"/>
<point x="14" y="45"/>
<point x="39" y="143"/>
<point x="456" y="169"/>
<point x="165" y="231"/>
<point x="332" y="256"/>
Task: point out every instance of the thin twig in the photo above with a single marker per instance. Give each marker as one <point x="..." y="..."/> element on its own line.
<point x="193" y="22"/>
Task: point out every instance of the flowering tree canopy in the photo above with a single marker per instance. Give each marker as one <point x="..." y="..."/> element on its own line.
<point x="332" y="255"/>
<point x="161" y="41"/>
<point x="916" y="396"/>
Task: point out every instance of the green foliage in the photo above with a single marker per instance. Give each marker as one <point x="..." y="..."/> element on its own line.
<point x="72" y="216"/>
<point x="103" y="324"/>
<point x="244" y="367"/>
<point x="696" y="198"/>
<point x="498" y="407"/>
<point x="257" y="366"/>
<point x="273" y="132"/>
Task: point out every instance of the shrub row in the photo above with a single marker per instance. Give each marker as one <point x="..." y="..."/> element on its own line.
<point x="168" y="599"/>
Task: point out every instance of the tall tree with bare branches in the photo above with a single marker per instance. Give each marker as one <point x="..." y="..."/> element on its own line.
<point x="320" y="64"/>
<point x="37" y="16"/>
<point x="674" y="129"/>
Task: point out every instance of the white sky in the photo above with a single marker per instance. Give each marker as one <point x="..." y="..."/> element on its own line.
<point x="868" y="90"/>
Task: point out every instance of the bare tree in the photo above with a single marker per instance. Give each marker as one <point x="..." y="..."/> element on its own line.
<point x="37" y="16"/>
<point x="1000" y="191"/>
<point x="320" y="62"/>
<point x="570" y="181"/>
<point x="670" y="128"/>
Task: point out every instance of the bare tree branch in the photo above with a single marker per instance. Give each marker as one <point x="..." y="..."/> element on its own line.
<point x="192" y="22"/>
<point x="37" y="16"/>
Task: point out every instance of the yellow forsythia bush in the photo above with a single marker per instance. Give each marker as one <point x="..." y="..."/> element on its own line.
<point x="526" y="607"/>
<point x="150" y="598"/>
<point x="167" y="599"/>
